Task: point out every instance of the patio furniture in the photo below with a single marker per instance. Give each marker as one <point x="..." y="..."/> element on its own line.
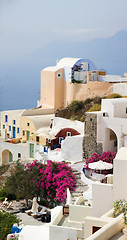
<point x="46" y="217"/>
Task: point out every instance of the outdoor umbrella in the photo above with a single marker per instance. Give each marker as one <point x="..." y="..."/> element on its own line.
<point x="100" y="165"/>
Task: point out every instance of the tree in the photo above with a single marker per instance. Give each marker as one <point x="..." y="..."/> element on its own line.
<point x="48" y="181"/>
<point x="20" y="185"/>
<point x="6" y="222"/>
<point x="52" y="180"/>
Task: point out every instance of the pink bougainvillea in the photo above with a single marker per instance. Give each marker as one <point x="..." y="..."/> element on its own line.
<point x="52" y="180"/>
<point x="106" y="157"/>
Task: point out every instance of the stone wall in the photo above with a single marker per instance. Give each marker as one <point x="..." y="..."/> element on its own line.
<point x="90" y="144"/>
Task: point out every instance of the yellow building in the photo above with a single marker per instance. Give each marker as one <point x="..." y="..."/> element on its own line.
<point x="31" y="125"/>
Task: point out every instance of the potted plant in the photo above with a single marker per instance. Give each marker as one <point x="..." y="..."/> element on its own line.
<point x="121" y="207"/>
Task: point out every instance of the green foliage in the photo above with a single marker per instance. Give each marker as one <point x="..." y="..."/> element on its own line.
<point x="76" y="105"/>
<point x="120" y="207"/>
<point x="4" y="168"/>
<point x="6" y="222"/>
<point x="95" y="107"/>
<point x="76" y="109"/>
<point x="2" y="193"/>
<point x="82" y="119"/>
<point x="97" y="100"/>
<point x="75" y="81"/>
<point x="1" y="198"/>
<point x="19" y="165"/>
<point x="74" y="118"/>
<point x="20" y="185"/>
<point x="88" y="100"/>
<point x="114" y="95"/>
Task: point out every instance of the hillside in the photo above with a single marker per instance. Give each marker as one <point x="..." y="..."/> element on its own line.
<point x="76" y="109"/>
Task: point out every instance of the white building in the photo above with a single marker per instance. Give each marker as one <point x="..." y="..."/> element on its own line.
<point x="19" y="136"/>
<point x="21" y="151"/>
<point x="108" y="126"/>
<point x="10" y="123"/>
<point x="112" y="124"/>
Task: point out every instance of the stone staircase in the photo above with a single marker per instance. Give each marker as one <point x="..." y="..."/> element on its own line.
<point x="80" y="186"/>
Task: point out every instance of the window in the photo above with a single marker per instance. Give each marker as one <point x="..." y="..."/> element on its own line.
<point x="28" y="124"/>
<point x="17" y="130"/>
<point x="59" y="75"/>
<point x="23" y="133"/>
<point x="19" y="155"/>
<point x="104" y="114"/>
<point x="37" y="139"/>
<point x="3" y="126"/>
<point x="93" y="76"/>
<point x="68" y="134"/>
<point x="60" y="139"/>
<point x="9" y="128"/>
<point x="115" y="143"/>
<point x="6" y="118"/>
<point x="14" y="121"/>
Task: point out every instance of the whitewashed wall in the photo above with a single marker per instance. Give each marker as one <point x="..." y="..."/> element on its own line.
<point x="120" y="88"/>
<point x="12" y="115"/>
<point x="59" y="123"/>
<point x="23" y="148"/>
<point x="118" y="125"/>
<point x="120" y="175"/>
<point x="102" y="198"/>
<point x="62" y="233"/>
<point x="115" y="107"/>
<point x="106" y="106"/>
<point x="77" y="213"/>
<point x="72" y="148"/>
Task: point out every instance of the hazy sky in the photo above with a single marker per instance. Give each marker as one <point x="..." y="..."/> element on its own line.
<point x="26" y="25"/>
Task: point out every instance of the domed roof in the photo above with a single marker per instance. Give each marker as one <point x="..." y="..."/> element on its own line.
<point x="67" y="62"/>
<point x="70" y="62"/>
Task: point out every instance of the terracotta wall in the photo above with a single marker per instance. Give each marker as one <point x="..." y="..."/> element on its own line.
<point x="47" y="89"/>
<point x="57" y="93"/>
<point x="59" y="89"/>
<point x="82" y="91"/>
<point x="63" y="132"/>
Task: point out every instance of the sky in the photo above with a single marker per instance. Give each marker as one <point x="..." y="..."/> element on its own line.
<point x="27" y="25"/>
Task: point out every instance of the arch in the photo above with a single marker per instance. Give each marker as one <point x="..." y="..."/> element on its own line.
<point x="7" y="156"/>
<point x="111" y="140"/>
<point x="77" y="67"/>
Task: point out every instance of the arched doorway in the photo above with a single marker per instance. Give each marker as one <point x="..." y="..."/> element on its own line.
<point x="6" y="157"/>
<point x="111" y="141"/>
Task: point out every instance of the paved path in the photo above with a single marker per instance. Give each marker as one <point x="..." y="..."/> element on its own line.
<point x="29" y="220"/>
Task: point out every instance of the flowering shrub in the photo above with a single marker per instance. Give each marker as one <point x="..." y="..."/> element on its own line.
<point x="52" y="180"/>
<point x="13" y="237"/>
<point x="106" y="157"/>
